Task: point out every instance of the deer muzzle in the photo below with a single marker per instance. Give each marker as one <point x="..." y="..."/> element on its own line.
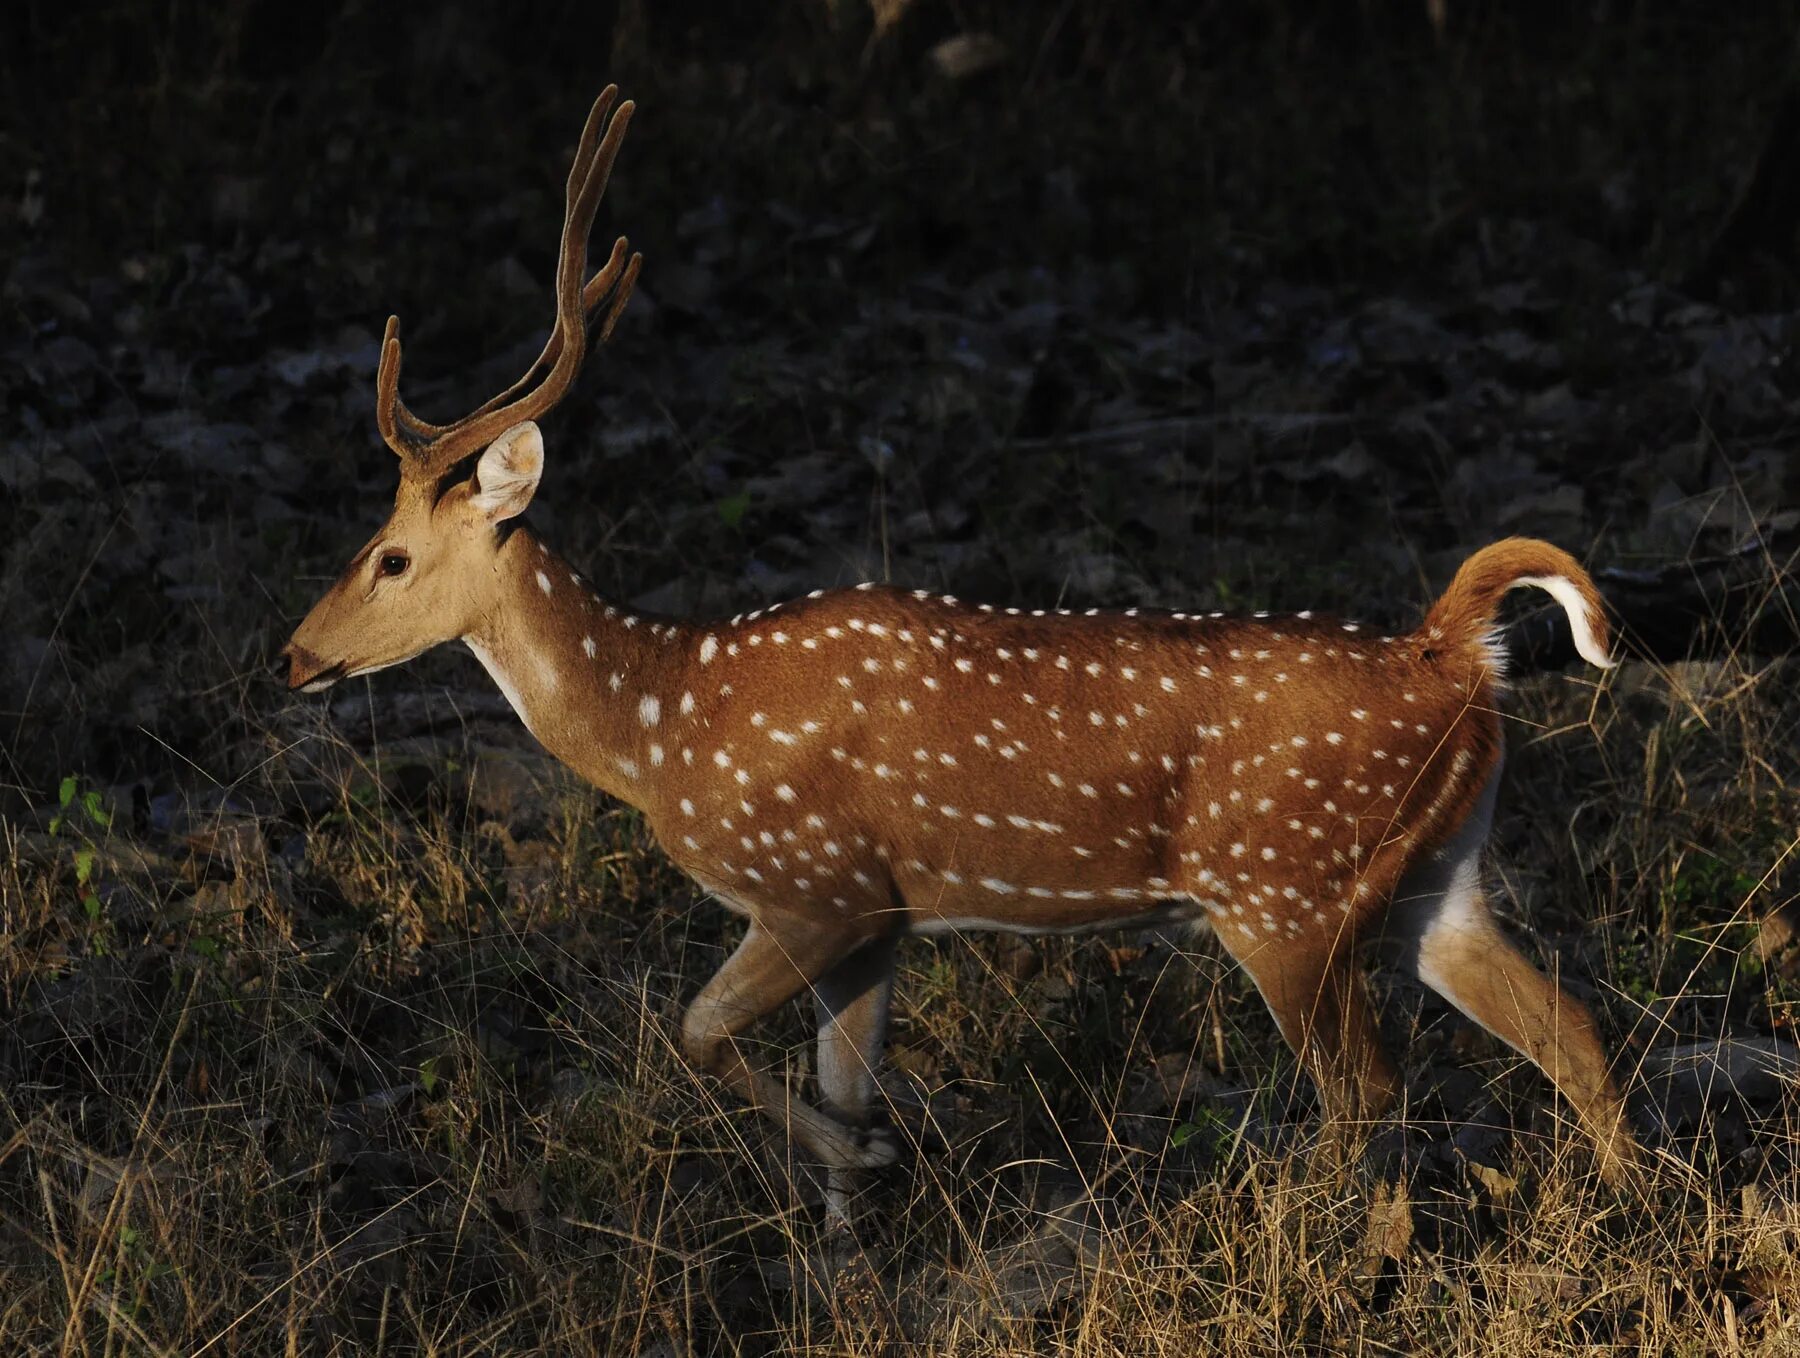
<point x="306" y="671"/>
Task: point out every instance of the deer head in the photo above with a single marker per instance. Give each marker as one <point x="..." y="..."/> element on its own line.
<point x="425" y="576"/>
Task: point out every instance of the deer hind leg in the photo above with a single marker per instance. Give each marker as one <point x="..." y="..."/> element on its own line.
<point x="851" y="1001"/>
<point x="1320" y="1004"/>
<point x="1462" y="954"/>
<point x="771" y="966"/>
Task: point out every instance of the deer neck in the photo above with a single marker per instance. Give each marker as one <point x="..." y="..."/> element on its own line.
<point x="590" y="679"/>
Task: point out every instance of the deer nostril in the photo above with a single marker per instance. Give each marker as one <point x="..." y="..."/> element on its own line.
<point x="281" y="665"/>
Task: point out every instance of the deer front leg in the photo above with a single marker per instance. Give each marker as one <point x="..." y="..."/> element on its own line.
<point x="771" y="966"/>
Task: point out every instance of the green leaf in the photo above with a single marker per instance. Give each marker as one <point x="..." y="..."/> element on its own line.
<point x="91" y="904"/>
<point x="96" y="809"/>
<point x="1183" y="1134"/>
<point x="84" y="865"/>
<point x="66" y="792"/>
<point x="428" y="1076"/>
<point x="207" y="946"/>
<point x="733" y="508"/>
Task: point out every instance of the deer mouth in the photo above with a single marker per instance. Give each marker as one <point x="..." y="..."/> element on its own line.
<point x="321" y="681"/>
<point x="323" y="677"/>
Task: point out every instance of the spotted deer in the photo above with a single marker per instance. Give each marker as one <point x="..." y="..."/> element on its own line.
<point x="865" y="763"/>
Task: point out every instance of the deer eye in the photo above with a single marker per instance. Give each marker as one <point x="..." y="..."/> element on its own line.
<point x="394" y="563"/>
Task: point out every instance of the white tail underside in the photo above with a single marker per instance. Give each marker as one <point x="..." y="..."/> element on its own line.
<point x="1565" y="593"/>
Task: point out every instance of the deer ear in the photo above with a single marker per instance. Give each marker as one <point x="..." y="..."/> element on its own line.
<point x="507" y="476"/>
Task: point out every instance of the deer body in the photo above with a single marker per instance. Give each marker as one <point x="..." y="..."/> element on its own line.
<point x="859" y="764"/>
<point x="906" y="761"/>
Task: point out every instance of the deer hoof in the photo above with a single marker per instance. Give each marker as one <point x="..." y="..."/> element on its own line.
<point x="877" y="1148"/>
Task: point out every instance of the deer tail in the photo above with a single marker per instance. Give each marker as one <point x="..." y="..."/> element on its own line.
<point x="1463" y="616"/>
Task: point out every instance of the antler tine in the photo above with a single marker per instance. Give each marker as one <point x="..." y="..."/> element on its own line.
<point x="593" y="158"/>
<point x="597" y="289"/>
<point x="403" y="431"/>
<point x="567" y="346"/>
<point x="623" y="294"/>
<point x="587" y="182"/>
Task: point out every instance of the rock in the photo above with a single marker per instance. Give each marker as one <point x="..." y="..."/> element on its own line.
<point x="220" y="449"/>
<point x="967" y="54"/>
<point x="1172" y="1080"/>
<point x="515" y="788"/>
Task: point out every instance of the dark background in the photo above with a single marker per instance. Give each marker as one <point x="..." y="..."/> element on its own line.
<point x="1161" y="302"/>
<point x="1211" y="305"/>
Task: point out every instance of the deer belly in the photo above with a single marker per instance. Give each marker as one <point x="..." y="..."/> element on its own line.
<point x="948" y="919"/>
<point x="1018" y="899"/>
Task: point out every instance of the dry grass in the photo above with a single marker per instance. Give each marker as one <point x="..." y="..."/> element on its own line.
<point x="387" y="1077"/>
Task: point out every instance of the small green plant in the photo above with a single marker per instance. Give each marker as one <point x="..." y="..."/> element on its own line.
<point x="82" y="812"/>
<point x="137" y="1265"/>
<point x="70" y="800"/>
<point x="1210" y="1129"/>
<point x="1707" y="884"/>
<point x="84" y="876"/>
<point x="733" y="508"/>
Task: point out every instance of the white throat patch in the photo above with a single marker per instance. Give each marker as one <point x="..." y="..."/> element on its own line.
<point x="501" y="680"/>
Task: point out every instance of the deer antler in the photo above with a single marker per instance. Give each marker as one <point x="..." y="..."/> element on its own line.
<point x="434" y="447"/>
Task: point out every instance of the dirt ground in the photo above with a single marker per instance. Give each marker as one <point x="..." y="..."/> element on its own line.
<point x="346" y="1024"/>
